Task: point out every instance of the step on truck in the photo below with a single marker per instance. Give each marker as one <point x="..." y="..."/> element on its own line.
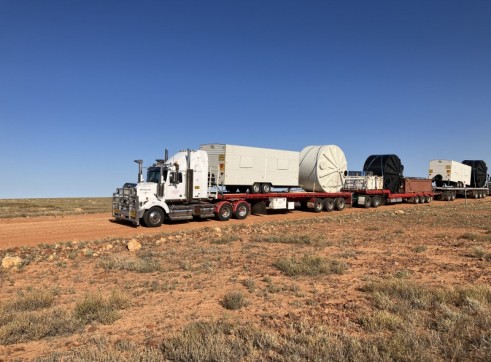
<point x="187" y="186"/>
<point x="453" y="179"/>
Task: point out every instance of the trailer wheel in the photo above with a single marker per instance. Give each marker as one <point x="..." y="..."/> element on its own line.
<point x="225" y="212"/>
<point x="328" y="204"/>
<point x="454" y="195"/>
<point x="153" y="217"/>
<point x="368" y="202"/>
<point x="256" y="188"/>
<point x="376" y="201"/>
<point x="340" y="204"/>
<point x="428" y="199"/>
<point x="422" y="199"/>
<point x="318" y="205"/>
<point x="416" y="199"/>
<point x="242" y="210"/>
<point x="265" y="188"/>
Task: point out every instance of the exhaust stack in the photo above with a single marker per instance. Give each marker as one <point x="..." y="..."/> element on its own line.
<point x="140" y="170"/>
<point x="189" y="178"/>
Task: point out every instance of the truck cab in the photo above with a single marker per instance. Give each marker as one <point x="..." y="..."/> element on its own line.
<point x="172" y="190"/>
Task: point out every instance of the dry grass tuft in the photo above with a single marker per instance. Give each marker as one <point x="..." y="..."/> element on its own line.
<point x="132" y="264"/>
<point x="234" y="301"/>
<point x="30" y="317"/>
<point x="96" y="308"/>
<point x="310" y="265"/>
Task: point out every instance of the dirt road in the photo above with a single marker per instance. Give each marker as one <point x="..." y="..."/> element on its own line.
<point x="33" y="231"/>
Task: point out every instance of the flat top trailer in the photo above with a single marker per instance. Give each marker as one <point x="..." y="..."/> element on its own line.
<point x="288" y="195"/>
<point x="240" y="205"/>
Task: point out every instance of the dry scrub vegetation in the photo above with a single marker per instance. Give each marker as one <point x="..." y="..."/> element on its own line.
<point x="53" y="207"/>
<point x="372" y="286"/>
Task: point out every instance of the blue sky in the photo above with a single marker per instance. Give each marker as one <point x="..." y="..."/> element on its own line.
<point x="86" y="86"/>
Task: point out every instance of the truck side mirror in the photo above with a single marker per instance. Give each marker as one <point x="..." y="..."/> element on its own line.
<point x="175" y="177"/>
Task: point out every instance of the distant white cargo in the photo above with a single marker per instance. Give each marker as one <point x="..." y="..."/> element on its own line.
<point x="322" y="168"/>
<point x="449" y="173"/>
<point x="257" y="169"/>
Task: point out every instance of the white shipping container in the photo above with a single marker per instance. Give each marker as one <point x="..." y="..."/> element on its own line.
<point x="450" y="171"/>
<point x="244" y="166"/>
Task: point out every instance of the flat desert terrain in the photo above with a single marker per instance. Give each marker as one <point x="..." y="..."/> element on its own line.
<point x="401" y="282"/>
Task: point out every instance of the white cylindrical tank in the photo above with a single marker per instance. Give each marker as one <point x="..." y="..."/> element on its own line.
<point x="322" y="168"/>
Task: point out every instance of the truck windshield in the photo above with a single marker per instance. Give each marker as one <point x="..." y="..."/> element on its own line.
<point x="153" y="174"/>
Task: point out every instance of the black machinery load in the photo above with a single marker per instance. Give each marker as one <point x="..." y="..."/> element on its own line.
<point x="388" y="166"/>
<point x="479" y="172"/>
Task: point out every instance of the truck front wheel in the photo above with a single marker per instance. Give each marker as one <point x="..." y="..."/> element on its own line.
<point x="153" y="217"/>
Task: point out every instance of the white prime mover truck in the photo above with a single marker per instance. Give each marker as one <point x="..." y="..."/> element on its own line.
<point x="188" y="186"/>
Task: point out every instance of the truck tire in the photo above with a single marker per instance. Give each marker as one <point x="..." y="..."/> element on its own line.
<point x="328" y="204"/>
<point x="242" y="210"/>
<point x="339" y="204"/>
<point x="376" y="201"/>
<point x="255" y="188"/>
<point x="224" y="212"/>
<point x="265" y="188"/>
<point x="318" y="205"/>
<point x="154" y="217"/>
<point x="368" y="202"/>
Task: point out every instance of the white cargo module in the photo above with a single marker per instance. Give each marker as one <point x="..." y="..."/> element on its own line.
<point x="446" y="171"/>
<point x="246" y="166"/>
